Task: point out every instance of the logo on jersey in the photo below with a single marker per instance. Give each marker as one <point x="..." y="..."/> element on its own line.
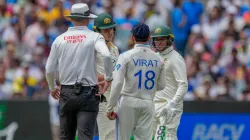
<point x="74" y="38"/>
<point x="158" y="30"/>
<point x="165" y="60"/>
<point x="101" y="38"/>
<point x="118" y="66"/>
<point x="107" y="20"/>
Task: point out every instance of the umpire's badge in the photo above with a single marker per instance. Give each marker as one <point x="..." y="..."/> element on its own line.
<point x="107" y="20"/>
<point x="158" y="30"/>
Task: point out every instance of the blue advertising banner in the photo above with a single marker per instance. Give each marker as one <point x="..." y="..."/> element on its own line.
<point x="214" y="126"/>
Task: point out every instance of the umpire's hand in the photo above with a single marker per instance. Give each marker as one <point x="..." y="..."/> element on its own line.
<point x="103" y="86"/>
<point x="55" y="93"/>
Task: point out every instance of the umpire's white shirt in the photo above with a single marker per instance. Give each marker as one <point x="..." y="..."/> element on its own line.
<point x="176" y="77"/>
<point x="143" y="77"/>
<point x="74" y="54"/>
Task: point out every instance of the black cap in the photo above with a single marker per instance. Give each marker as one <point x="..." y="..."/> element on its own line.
<point x="141" y="32"/>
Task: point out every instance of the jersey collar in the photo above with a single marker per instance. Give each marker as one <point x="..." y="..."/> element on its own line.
<point x="110" y="44"/>
<point x="141" y="45"/>
<point x="167" y="50"/>
<point x="78" y="28"/>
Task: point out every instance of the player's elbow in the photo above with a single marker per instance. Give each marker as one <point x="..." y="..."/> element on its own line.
<point x="183" y="85"/>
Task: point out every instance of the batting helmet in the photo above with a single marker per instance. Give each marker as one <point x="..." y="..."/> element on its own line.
<point x="163" y="31"/>
<point x="103" y="21"/>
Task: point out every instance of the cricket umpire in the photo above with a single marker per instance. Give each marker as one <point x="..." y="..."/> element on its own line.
<point x="73" y="55"/>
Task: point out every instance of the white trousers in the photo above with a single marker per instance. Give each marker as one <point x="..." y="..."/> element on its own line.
<point x="171" y="132"/>
<point x="135" y="117"/>
<point x="106" y="127"/>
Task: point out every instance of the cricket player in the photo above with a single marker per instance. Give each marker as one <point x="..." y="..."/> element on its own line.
<point x="105" y="25"/>
<point x="171" y="98"/>
<point x="143" y="72"/>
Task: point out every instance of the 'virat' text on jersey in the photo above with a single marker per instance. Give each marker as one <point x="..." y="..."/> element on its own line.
<point x="144" y="62"/>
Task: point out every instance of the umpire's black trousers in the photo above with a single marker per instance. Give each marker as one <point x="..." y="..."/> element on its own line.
<point x="78" y="112"/>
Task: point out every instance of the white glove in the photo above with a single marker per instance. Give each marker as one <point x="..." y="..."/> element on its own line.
<point x="172" y="104"/>
<point x="167" y="108"/>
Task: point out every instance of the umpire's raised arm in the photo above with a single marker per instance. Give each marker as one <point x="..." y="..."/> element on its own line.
<point x="101" y="47"/>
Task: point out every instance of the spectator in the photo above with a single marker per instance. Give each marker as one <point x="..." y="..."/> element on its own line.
<point x="202" y="91"/>
<point x="179" y="25"/>
<point x="33" y="32"/>
<point x="10" y="34"/>
<point x="193" y="9"/>
<point x="5" y="85"/>
<point x="246" y="92"/>
<point x="224" y="94"/>
<point x="210" y="28"/>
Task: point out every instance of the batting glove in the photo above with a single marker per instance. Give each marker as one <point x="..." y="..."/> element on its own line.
<point x="167" y="108"/>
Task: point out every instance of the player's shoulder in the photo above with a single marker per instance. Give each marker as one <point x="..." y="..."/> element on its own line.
<point x="98" y="37"/>
<point x="176" y="58"/>
<point x="126" y="53"/>
<point x="157" y="56"/>
<point x="176" y="55"/>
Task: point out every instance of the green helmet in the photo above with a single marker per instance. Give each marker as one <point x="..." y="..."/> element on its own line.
<point x="162" y="31"/>
<point x="103" y="21"/>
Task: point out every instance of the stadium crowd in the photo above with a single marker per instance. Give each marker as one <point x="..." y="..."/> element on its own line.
<point x="213" y="36"/>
